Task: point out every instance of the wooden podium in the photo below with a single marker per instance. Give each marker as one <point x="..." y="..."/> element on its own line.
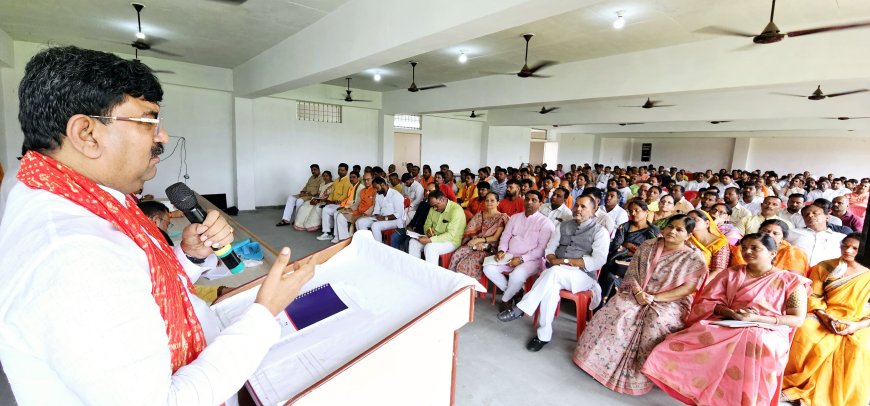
<point x="412" y="364"/>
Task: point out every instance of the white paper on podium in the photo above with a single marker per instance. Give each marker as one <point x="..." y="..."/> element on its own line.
<point x="384" y="289"/>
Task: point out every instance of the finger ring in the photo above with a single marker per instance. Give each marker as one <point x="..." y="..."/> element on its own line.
<point x="231" y="229"/>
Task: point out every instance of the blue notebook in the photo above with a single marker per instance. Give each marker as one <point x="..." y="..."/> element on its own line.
<point x="313" y="306"/>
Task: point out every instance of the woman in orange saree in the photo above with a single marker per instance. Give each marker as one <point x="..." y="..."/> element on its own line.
<point x="713" y="364"/>
<point x="829" y="363"/>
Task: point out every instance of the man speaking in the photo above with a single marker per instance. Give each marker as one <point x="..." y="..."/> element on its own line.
<point x="95" y="307"/>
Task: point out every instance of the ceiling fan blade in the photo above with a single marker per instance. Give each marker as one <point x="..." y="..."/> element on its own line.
<point x="625" y="124"/>
<point x="162" y="52"/>
<point x="431" y="87"/>
<point x="826" y="29"/>
<point x="716" y="30"/>
<point x="664" y="105"/>
<point x="542" y="65"/>
<point x="847" y="93"/>
<point x="632" y="106"/>
<point x="535" y="75"/>
<point x="788" y="94"/>
<point x="843" y="118"/>
<point x="499" y="73"/>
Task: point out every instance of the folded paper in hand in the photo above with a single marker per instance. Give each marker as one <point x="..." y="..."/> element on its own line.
<point x="742" y="324"/>
<point x="413" y="235"/>
<point x="490" y="260"/>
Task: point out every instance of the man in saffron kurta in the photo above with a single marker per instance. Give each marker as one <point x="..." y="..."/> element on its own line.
<point x="343" y="195"/>
<point x="525" y="236"/>
<point x="362" y="206"/>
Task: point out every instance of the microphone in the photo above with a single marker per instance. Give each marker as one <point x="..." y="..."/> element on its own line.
<point x="185" y="200"/>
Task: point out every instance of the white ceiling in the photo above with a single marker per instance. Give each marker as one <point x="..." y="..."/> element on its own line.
<point x="587" y="33"/>
<point x="205" y="32"/>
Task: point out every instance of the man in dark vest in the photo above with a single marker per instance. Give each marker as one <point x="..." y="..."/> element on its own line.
<point x="574" y="254"/>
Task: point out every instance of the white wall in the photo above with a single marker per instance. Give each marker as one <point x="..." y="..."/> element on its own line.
<point x="285" y="146"/>
<point x="576" y="148"/>
<point x="615" y="151"/>
<point x="688" y="153"/>
<point x="454" y="142"/>
<point x="507" y="146"/>
<point x="840" y="156"/>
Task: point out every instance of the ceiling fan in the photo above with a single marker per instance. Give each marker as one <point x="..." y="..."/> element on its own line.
<point x="143" y="44"/>
<point x="819" y="95"/>
<point x="720" y="121"/>
<point x="545" y="110"/>
<point x="348" y="97"/>
<point x="472" y="115"/>
<point x="844" y="118"/>
<point x="413" y="88"/>
<point x="771" y="32"/>
<point x="625" y="124"/>
<point x="526" y="71"/>
<point x="652" y="103"/>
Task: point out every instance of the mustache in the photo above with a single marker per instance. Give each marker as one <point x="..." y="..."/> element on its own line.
<point x="157" y="150"/>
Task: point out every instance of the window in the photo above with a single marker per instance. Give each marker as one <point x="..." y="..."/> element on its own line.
<point x="324" y="113"/>
<point x="411" y="121"/>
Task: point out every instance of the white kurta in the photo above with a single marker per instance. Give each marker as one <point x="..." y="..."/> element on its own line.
<point x="78" y="323"/>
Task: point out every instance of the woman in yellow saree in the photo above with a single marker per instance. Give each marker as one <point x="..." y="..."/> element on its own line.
<point x="829" y="362"/>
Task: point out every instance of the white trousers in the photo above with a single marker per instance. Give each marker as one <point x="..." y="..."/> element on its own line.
<point x="378" y="227"/>
<point x="545" y="293"/>
<point x="293" y="203"/>
<point x="342" y="226"/>
<point x="512" y="283"/>
<point x="327" y="217"/>
<point x="430" y="251"/>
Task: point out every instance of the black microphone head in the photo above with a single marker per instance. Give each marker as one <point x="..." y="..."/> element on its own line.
<point x="181" y="196"/>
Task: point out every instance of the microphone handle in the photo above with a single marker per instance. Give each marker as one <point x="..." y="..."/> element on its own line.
<point x="226" y="254"/>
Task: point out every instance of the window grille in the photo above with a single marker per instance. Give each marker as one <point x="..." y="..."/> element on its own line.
<point x="321" y="112"/>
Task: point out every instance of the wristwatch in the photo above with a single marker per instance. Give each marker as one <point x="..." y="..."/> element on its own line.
<point x="565" y="261"/>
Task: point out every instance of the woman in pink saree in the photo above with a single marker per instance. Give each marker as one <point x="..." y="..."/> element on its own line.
<point x="711" y="364"/>
<point x="653" y="300"/>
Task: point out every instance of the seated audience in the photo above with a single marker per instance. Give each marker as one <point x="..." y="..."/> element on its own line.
<point x="666" y="209"/>
<point x="443" y="229"/>
<point x="835" y="223"/>
<point x="556" y="210"/>
<point x="601" y="215"/>
<point x="477" y="204"/>
<point x="750" y="199"/>
<point x="722" y="217"/>
<point x="362" y="206"/>
<point x="707" y="238"/>
<point x="468" y="191"/>
<point x="574" y="254"/>
<point x="840" y="210"/>
<point x="513" y="200"/>
<point x="738" y="212"/>
<point x="681" y="205"/>
<point x="400" y="239"/>
<point x="388" y="212"/>
<point x="628" y="237"/>
<point x="611" y="206"/>
<point x="327" y="220"/>
<point x="414" y="191"/>
<point x="698" y="183"/>
<point x="525" y="237"/>
<point x="710" y="364"/>
<point x="481" y="236"/>
<point x="308" y="192"/>
<point x="823" y="191"/>
<point x="816" y="239"/>
<point x="792" y="211"/>
<point x="309" y="215"/>
<point x="499" y="184"/>
<point x="653" y="194"/>
<point x="396" y="182"/>
<point x="707" y="199"/>
<point x="444" y="187"/>
<point x="859" y="198"/>
<point x="653" y="302"/>
<point x="788" y="257"/>
<point x="770" y="207"/>
<point x="426" y="177"/>
<point x="829" y="361"/>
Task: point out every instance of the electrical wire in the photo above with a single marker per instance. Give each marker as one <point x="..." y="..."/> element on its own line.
<point x="182" y="142"/>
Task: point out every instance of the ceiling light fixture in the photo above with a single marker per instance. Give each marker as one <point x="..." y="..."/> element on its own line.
<point x="462" y="57"/>
<point x="377" y="76"/>
<point x="140" y="35"/>
<point x="620" y="20"/>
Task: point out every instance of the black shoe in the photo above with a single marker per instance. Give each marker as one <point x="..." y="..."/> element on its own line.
<point x="502" y="306"/>
<point x="510" y="314"/>
<point x="535" y="345"/>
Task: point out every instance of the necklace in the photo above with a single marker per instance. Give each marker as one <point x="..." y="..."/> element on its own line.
<point x="761" y="274"/>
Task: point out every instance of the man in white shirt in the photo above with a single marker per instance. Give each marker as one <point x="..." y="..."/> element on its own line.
<point x="611" y="206"/>
<point x="700" y="182"/>
<point x="556" y="210"/>
<point x="388" y="213"/>
<point x="413" y="190"/>
<point x="575" y="253"/>
<point x="750" y="200"/>
<point x="838" y="188"/>
<point x="601" y="215"/>
<point x="816" y="239"/>
<point x="823" y="191"/>
<point x="95" y="308"/>
<point x="738" y="212"/>
<point x="727" y="182"/>
<point x="792" y="211"/>
<point x="769" y="208"/>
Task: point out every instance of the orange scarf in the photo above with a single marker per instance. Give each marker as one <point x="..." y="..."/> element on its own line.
<point x="186" y="338"/>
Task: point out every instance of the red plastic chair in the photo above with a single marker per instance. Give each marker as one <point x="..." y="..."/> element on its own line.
<point x="581" y="302"/>
<point x="387" y="235"/>
<point x="690" y="194"/>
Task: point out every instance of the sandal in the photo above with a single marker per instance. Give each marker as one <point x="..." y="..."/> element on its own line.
<point x="283" y="223"/>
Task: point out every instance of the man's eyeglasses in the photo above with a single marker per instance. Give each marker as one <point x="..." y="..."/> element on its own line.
<point x="147" y="120"/>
